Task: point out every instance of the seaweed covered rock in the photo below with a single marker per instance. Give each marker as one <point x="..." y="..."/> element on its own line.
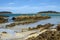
<point x="20" y="18"/>
<point x="45" y="26"/>
<point x="3" y="19"/>
<point x="11" y="25"/>
<point x="58" y="27"/>
<point x="48" y="35"/>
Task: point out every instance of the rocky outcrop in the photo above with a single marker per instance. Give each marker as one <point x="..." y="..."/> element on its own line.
<point x="46" y="26"/>
<point x="48" y="35"/>
<point x="3" y="19"/>
<point x="10" y="25"/>
<point x="23" y="18"/>
<point x="19" y="23"/>
<point x="58" y="27"/>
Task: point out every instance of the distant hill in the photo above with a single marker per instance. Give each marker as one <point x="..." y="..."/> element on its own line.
<point x="5" y="12"/>
<point x="48" y="12"/>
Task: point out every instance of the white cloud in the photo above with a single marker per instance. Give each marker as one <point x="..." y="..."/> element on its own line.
<point x="43" y="3"/>
<point x="11" y="3"/>
<point x="30" y="9"/>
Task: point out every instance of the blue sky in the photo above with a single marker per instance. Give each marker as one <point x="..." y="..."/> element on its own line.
<point x="29" y="6"/>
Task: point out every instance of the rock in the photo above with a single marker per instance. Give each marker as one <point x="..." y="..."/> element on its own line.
<point x="48" y="35"/>
<point x="3" y="19"/>
<point x="10" y="25"/>
<point x="58" y="27"/>
<point x="46" y="26"/>
<point x="29" y="19"/>
<point x="4" y="32"/>
<point x="13" y="18"/>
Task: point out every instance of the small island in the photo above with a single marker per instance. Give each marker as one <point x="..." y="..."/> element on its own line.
<point x="48" y="12"/>
<point x="5" y="12"/>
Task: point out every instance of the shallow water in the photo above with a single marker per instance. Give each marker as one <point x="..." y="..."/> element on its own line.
<point x="8" y="31"/>
<point x="53" y="20"/>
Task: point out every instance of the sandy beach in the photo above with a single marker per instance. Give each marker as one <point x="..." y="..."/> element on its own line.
<point x="15" y="35"/>
<point x="21" y="35"/>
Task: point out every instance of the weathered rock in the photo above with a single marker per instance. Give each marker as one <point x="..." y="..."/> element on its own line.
<point x="21" y="18"/>
<point x="46" y="26"/>
<point x="58" y="27"/>
<point x="48" y="35"/>
<point x="3" y="19"/>
<point x="11" y="25"/>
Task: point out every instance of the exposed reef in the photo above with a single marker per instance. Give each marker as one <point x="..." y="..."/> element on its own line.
<point x="48" y="35"/>
<point x="26" y="20"/>
<point x="23" y="18"/>
<point x="46" y="26"/>
<point x="3" y="19"/>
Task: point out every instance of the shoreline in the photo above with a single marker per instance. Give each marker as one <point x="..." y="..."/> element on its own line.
<point x="24" y="34"/>
<point x="29" y="19"/>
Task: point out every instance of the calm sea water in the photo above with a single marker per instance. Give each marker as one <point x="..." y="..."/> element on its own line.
<point x="12" y="15"/>
<point x="55" y="19"/>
